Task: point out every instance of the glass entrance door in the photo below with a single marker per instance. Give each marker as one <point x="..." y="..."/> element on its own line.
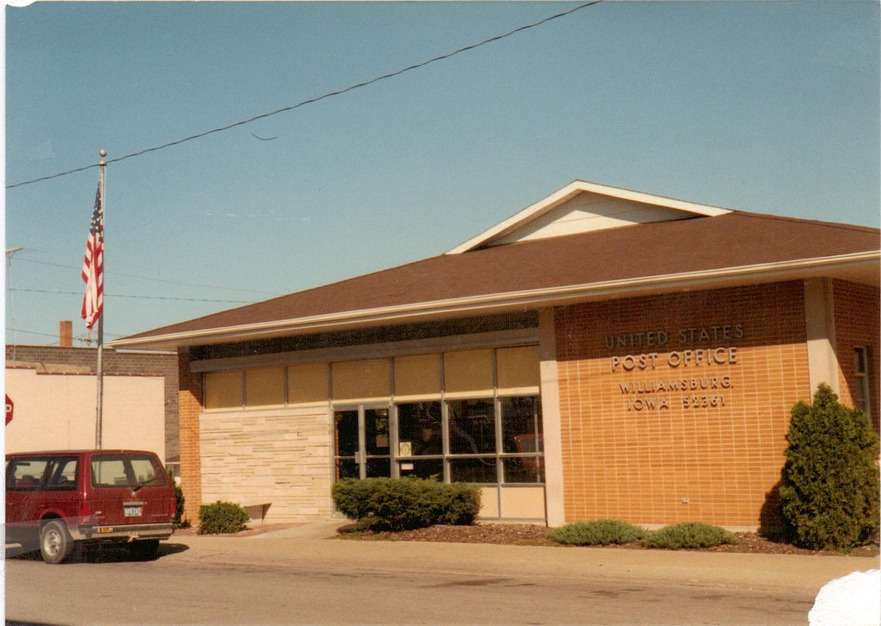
<point x="362" y="442"/>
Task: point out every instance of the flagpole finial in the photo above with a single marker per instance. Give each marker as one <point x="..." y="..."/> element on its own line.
<point x="102" y="153"/>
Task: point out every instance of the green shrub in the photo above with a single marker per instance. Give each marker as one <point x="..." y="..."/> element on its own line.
<point x="830" y="486"/>
<point x="688" y="535"/>
<point x="221" y="518"/>
<point x="599" y="532"/>
<point x="407" y="503"/>
<point x="178" y="498"/>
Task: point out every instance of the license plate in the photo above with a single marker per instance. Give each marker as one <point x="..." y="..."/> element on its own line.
<point x="132" y="510"/>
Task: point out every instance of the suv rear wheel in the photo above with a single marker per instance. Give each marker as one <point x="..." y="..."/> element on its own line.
<point x="55" y="542"/>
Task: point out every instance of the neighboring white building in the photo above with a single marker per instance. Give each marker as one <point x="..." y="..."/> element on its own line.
<point x="54" y="391"/>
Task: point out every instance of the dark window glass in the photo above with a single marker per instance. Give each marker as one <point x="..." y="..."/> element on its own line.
<point x="473" y="470"/>
<point x="523" y="470"/>
<point x="521" y="424"/>
<point x="423" y="468"/>
<point x="25" y="474"/>
<point x="472" y="427"/>
<point x="346" y="432"/>
<point x="419" y="429"/>
<point x="376" y="430"/>
<point x="347" y="468"/>
<point x="63" y="474"/>
<point x="378" y="468"/>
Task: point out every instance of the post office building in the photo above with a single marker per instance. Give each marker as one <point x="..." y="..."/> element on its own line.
<point x="601" y="353"/>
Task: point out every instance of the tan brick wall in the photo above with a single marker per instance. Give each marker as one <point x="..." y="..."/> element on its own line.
<point x="190" y="408"/>
<point x="281" y="458"/>
<point x="857" y="315"/>
<point x="670" y="463"/>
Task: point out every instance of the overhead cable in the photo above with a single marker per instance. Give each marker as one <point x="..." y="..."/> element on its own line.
<point x="313" y="100"/>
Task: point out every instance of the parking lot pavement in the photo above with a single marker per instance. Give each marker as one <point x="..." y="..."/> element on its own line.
<point x="315" y="544"/>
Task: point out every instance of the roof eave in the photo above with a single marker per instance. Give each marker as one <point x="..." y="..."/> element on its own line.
<point x="863" y="266"/>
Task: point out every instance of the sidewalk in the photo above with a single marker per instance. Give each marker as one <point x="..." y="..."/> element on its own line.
<point x="313" y="545"/>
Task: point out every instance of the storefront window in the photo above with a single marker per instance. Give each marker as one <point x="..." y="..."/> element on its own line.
<point x="419" y="429"/>
<point x="481" y="470"/>
<point x="422" y="468"/>
<point x="472" y="426"/>
<point x="522" y="435"/>
<point x="453" y="421"/>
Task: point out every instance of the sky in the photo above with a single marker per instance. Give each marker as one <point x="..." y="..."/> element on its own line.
<point x="764" y="107"/>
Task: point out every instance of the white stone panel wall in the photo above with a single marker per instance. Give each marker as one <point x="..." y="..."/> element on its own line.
<point x="277" y="457"/>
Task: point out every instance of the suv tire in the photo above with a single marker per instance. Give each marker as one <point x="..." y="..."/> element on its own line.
<point x="55" y="542"/>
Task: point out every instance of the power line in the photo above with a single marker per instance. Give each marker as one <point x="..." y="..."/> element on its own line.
<point x="157" y="280"/>
<point x="122" y="295"/>
<point x="79" y="337"/>
<point x="331" y="94"/>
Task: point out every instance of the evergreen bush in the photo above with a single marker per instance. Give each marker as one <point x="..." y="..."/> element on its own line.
<point x="599" y="532"/>
<point x="407" y="503"/>
<point x="689" y="535"/>
<point x="830" y="485"/>
<point x="179" y="500"/>
<point x="222" y="518"/>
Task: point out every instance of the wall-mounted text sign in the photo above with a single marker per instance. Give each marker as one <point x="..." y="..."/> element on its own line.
<point x="696" y="375"/>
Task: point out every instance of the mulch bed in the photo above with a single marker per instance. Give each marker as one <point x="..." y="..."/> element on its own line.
<point x="534" y="535"/>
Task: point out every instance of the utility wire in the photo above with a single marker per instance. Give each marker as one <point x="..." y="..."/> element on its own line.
<point x="158" y="280"/>
<point x="316" y="99"/>
<point x="122" y="295"/>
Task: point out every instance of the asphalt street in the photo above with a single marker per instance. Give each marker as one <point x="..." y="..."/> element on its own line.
<point x="302" y="575"/>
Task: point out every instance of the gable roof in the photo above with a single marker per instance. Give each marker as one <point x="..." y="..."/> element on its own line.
<point x="696" y="249"/>
<point x="582" y="206"/>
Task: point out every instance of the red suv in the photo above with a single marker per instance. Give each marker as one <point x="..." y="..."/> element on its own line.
<point x="59" y="499"/>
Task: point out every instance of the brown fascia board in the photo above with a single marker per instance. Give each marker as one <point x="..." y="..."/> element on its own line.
<point x="629" y="253"/>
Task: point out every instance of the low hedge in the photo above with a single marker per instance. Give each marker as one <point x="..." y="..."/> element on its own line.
<point x="406" y="503"/>
<point x="688" y="535"/>
<point x="222" y="518"/>
<point x="599" y="532"/>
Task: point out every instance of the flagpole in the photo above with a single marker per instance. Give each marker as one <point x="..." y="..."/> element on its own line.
<point x="99" y="418"/>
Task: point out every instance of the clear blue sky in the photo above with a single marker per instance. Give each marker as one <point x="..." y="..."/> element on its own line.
<point x="766" y="107"/>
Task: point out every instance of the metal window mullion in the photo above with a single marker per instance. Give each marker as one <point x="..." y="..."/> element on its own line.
<point x="394" y="448"/>
<point x="445" y="425"/>
<point x="362" y="443"/>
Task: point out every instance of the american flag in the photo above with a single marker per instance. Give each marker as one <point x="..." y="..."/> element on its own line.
<point x="93" y="266"/>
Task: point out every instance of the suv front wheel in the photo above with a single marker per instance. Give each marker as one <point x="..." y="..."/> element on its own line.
<point x="55" y="542"/>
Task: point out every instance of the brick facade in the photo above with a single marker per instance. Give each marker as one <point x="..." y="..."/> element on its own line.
<point x="190" y="411"/>
<point x="857" y="314"/>
<point x="672" y="408"/>
<point x="635" y="446"/>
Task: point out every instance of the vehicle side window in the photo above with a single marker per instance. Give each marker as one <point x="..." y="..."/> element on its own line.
<point x="62" y="474"/>
<point x="25" y="474"/>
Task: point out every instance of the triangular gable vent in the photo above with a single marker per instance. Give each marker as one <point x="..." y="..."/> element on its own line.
<point x="582" y="207"/>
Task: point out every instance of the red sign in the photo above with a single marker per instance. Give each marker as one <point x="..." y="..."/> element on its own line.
<point x="8" y="409"/>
